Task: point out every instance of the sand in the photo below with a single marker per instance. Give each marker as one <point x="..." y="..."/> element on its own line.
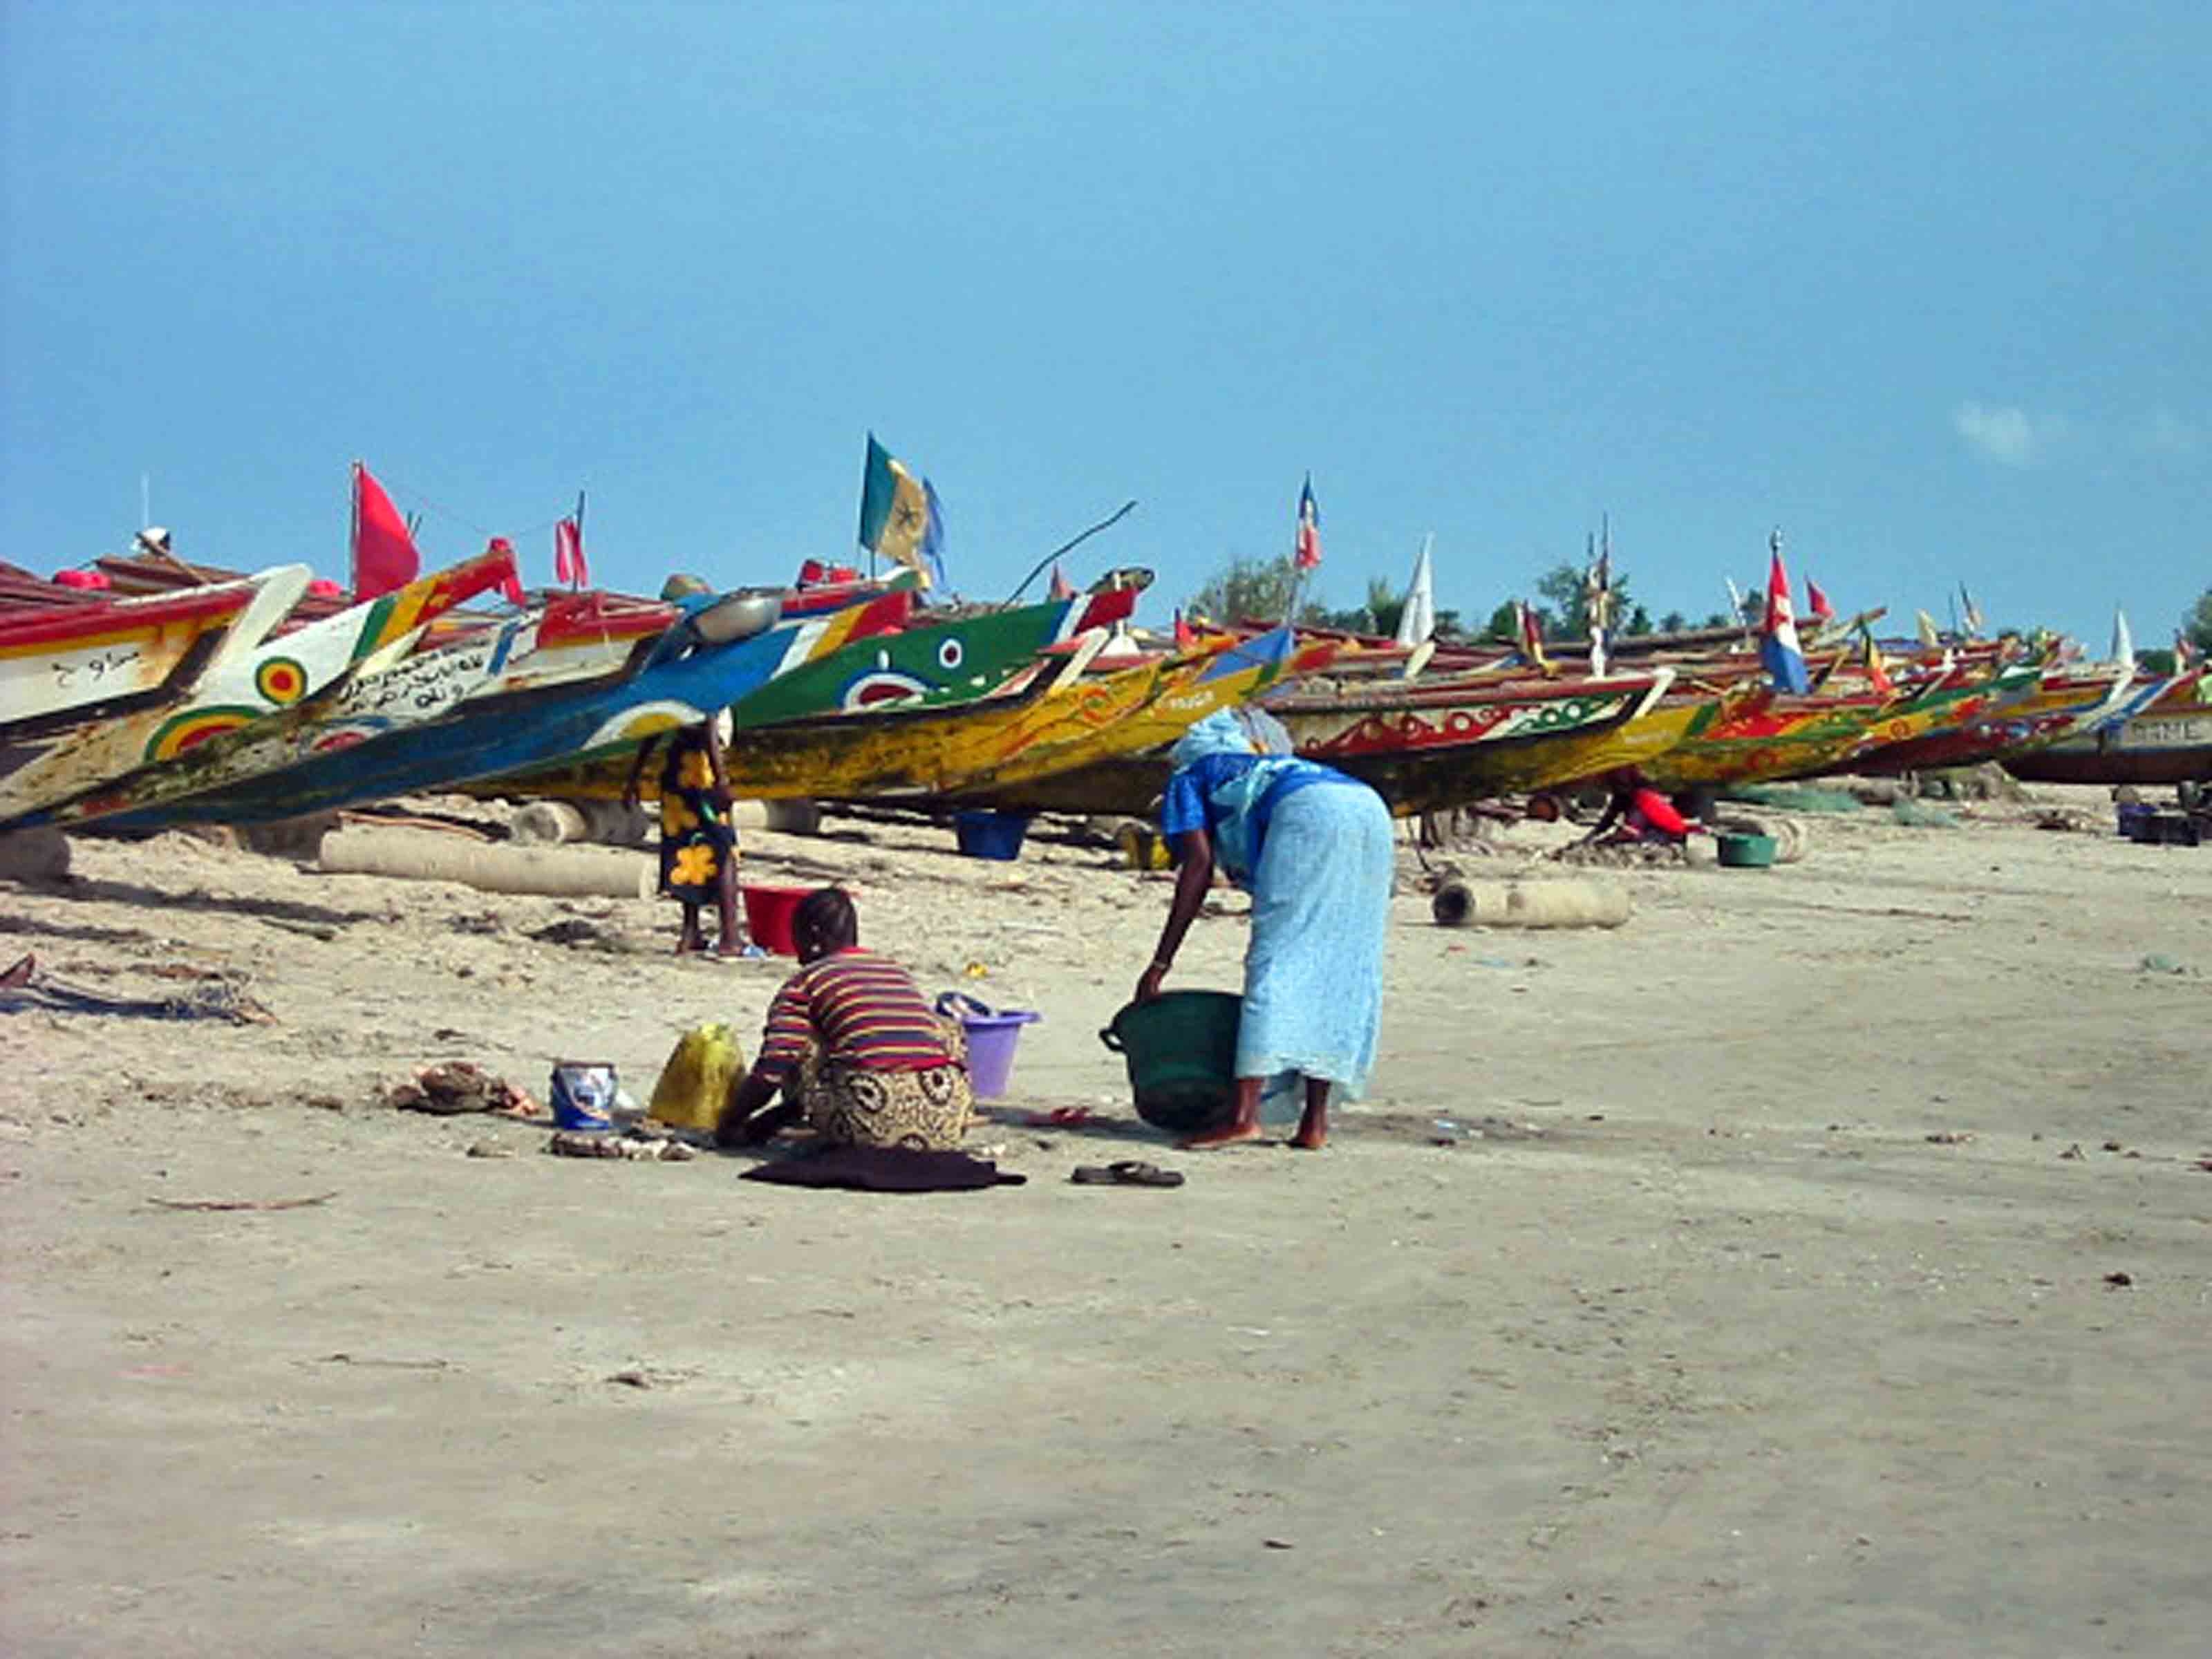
<point x="1761" y="1304"/>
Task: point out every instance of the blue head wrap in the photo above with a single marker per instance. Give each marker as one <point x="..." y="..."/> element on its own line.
<point x="1242" y="731"/>
<point x="1218" y="733"/>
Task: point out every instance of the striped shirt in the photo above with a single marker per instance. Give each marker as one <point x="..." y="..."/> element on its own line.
<point x="861" y="1008"/>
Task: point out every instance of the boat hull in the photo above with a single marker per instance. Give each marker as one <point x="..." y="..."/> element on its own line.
<point x="486" y="736"/>
<point x="1047" y="728"/>
<point x="263" y="676"/>
<point x="79" y="661"/>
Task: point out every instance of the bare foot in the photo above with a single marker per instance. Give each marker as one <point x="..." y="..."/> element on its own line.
<point x="1310" y="1141"/>
<point x="1227" y="1136"/>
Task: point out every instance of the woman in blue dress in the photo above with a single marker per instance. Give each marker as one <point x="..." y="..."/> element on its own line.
<point x="1314" y="849"/>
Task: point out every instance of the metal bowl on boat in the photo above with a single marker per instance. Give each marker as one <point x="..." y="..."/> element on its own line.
<point x="738" y="616"/>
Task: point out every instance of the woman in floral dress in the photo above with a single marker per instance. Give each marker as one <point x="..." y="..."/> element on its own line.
<point x="698" y="835"/>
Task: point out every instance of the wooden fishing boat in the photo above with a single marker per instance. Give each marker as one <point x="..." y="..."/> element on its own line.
<point x="252" y="676"/>
<point x="485" y="735"/>
<point x="1427" y="746"/>
<point x="1505" y="748"/>
<point x="1055" y="719"/>
<point x="2169" y="740"/>
<point x="385" y="693"/>
<point x="961" y="660"/>
<point x="2066" y="703"/>
<point x="86" y="659"/>
<point x="938" y="662"/>
<point x="1773" y="735"/>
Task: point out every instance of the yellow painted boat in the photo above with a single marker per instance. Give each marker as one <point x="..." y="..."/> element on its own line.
<point x="1777" y="736"/>
<point x="1061" y="718"/>
<point x="1639" y="741"/>
<point x="1622" y="727"/>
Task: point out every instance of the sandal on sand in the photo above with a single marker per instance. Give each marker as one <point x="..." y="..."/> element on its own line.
<point x="1129" y="1172"/>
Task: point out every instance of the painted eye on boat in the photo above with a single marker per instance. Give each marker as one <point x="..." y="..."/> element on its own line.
<point x="949" y="654"/>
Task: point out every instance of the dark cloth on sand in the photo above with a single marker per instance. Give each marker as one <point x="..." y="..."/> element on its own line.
<point x="883" y="1169"/>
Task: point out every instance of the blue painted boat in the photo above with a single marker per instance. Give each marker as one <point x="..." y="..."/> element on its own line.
<point x="484" y="737"/>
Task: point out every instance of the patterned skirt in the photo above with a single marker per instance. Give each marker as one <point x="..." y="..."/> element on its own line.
<point x="924" y="1111"/>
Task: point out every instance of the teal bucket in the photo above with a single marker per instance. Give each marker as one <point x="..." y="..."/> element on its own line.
<point x="1181" y="1049"/>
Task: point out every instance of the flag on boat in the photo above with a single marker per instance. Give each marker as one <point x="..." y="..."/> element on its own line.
<point x="1061" y="588"/>
<point x="1307" y="554"/>
<point x="568" y="565"/>
<point x="510" y="585"/>
<point x="932" y="538"/>
<point x="2123" y="642"/>
<point x="1597" y="601"/>
<point x="1531" y="629"/>
<point x="1970" y="612"/>
<point x="1816" y="603"/>
<point x="384" y="556"/>
<point x="1185" y="635"/>
<point x="1418" y="621"/>
<point x="1929" y="636"/>
<point x="1877" y="672"/>
<point x="1778" y="645"/>
<point x="897" y="511"/>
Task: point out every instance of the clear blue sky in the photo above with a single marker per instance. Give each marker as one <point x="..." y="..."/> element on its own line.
<point x="1926" y="284"/>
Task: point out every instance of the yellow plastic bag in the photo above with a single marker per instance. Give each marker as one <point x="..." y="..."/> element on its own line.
<point x="695" y="1083"/>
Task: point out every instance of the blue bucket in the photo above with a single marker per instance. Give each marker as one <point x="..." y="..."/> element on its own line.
<point x="991" y="834"/>
<point x="583" y="1093"/>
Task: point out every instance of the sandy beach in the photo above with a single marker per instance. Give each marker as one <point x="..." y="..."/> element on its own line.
<point x="1817" y="1265"/>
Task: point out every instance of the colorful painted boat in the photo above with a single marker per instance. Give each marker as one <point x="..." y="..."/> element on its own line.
<point x="86" y="659"/>
<point x="1774" y="736"/>
<point x="1063" y="720"/>
<point x="1426" y="746"/>
<point x="1057" y="719"/>
<point x="939" y="663"/>
<point x="1505" y="748"/>
<point x="253" y="675"/>
<point x="2065" y="704"/>
<point x="387" y="693"/>
<point x="486" y="735"/>
<point x="2169" y="740"/>
<point x="957" y="660"/>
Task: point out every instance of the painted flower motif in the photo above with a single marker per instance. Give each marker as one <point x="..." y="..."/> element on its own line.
<point x="694" y="867"/>
<point x="696" y="772"/>
<point x="675" y="816"/>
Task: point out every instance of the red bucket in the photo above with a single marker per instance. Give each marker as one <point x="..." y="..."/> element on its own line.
<point x="769" y="911"/>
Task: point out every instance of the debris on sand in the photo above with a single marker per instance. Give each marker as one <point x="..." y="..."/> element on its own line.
<point x="452" y="1087"/>
<point x="26" y="986"/>
<point x="225" y="1204"/>
<point x="598" y="1143"/>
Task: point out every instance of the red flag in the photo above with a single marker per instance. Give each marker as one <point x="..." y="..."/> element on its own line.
<point x="1816" y="602"/>
<point x="568" y="564"/>
<point x="510" y="585"/>
<point x="1185" y="635"/>
<point x="384" y="556"/>
<point x="1532" y="635"/>
<point x="1308" y="543"/>
<point x="1877" y="671"/>
<point x="1061" y="587"/>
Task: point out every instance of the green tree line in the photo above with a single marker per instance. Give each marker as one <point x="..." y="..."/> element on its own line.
<point x="1262" y="589"/>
